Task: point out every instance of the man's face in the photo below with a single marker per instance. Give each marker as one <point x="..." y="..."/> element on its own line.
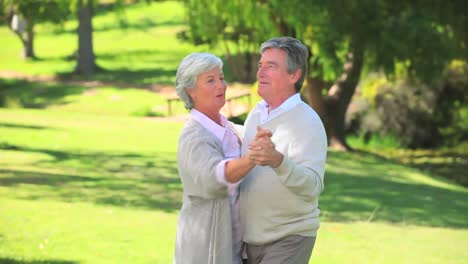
<point x="274" y="81"/>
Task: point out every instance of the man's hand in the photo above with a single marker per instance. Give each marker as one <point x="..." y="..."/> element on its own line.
<point x="262" y="150"/>
<point x="262" y="133"/>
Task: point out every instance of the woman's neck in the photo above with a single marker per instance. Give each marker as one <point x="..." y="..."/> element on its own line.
<point x="213" y="115"/>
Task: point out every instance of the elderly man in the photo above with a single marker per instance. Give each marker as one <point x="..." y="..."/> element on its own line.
<point x="279" y="199"/>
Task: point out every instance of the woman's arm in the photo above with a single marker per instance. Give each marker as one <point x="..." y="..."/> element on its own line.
<point x="236" y="169"/>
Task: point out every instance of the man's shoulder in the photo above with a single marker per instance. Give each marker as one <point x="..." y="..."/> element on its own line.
<point x="303" y="110"/>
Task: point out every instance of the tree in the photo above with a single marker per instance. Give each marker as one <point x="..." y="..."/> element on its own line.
<point x="232" y="25"/>
<point x="86" y="60"/>
<point x="22" y="16"/>
<point x="347" y="39"/>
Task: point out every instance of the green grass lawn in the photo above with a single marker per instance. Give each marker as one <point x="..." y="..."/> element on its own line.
<point x="102" y="100"/>
<point x="84" y="188"/>
<point x="78" y="188"/>
<point x="143" y="50"/>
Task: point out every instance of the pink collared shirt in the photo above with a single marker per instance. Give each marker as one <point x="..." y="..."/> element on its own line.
<point x="231" y="145"/>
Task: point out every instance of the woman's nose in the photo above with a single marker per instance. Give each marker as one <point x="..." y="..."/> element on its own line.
<point x="223" y="84"/>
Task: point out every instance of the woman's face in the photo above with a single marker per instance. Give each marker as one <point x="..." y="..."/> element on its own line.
<point x="209" y="94"/>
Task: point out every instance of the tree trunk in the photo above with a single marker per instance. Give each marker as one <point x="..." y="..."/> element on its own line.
<point x="86" y="60"/>
<point x="314" y="88"/>
<point x="28" y="41"/>
<point x="338" y="99"/>
<point x="24" y="29"/>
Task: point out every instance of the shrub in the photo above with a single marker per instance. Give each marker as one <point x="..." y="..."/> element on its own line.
<point x="418" y="114"/>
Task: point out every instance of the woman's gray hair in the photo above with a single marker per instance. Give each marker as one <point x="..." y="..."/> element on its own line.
<point x="296" y="55"/>
<point x="188" y="71"/>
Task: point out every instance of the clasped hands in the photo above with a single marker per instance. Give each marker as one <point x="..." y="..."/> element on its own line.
<point x="262" y="150"/>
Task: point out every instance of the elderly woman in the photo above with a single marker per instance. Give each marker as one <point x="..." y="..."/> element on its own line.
<point x="210" y="167"/>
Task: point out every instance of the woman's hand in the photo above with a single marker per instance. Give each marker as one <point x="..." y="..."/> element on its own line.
<point x="262" y="150"/>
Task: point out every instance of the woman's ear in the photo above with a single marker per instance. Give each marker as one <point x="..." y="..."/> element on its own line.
<point x="190" y="92"/>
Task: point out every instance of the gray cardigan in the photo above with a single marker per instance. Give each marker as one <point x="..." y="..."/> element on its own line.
<point x="204" y="232"/>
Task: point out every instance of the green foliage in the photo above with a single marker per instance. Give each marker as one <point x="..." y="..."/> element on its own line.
<point x="55" y="11"/>
<point x="418" y="115"/>
<point x="451" y="111"/>
<point x="370" y="87"/>
<point x="333" y="28"/>
<point x="236" y="27"/>
<point x="219" y="22"/>
<point x="406" y="110"/>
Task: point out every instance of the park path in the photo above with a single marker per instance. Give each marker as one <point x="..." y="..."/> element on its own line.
<point x="232" y="108"/>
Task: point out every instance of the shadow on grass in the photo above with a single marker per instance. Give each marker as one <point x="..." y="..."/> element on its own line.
<point x="136" y="78"/>
<point x="11" y="125"/>
<point x="127" y="180"/>
<point x="358" y="186"/>
<point x="48" y="261"/>
<point x="36" y="94"/>
<point x="448" y="164"/>
<point x="144" y="23"/>
<point x="364" y="187"/>
<point x="123" y="77"/>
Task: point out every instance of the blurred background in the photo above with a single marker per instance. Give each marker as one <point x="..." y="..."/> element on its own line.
<point x="89" y="122"/>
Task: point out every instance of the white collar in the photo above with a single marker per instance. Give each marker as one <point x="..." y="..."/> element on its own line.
<point x="287" y="105"/>
<point x="209" y="124"/>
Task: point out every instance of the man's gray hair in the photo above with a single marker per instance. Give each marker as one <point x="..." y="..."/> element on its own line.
<point x="188" y="71"/>
<point x="296" y="55"/>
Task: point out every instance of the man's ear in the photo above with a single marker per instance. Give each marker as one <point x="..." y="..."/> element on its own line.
<point x="296" y="75"/>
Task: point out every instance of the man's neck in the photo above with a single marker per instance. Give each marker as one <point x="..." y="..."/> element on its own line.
<point x="278" y="100"/>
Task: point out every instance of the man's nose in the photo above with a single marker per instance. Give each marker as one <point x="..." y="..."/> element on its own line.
<point x="260" y="71"/>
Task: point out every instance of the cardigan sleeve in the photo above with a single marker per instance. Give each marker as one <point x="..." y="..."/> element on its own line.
<point x="198" y="155"/>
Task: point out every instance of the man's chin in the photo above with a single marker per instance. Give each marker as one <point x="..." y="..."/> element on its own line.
<point x="261" y="91"/>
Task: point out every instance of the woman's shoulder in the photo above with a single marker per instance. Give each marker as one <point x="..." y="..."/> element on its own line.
<point x="194" y="132"/>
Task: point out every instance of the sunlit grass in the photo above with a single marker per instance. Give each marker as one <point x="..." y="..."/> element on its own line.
<point x="142" y="49"/>
<point x="61" y="232"/>
<point x="368" y="242"/>
<point x="447" y="162"/>
<point x="68" y="178"/>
